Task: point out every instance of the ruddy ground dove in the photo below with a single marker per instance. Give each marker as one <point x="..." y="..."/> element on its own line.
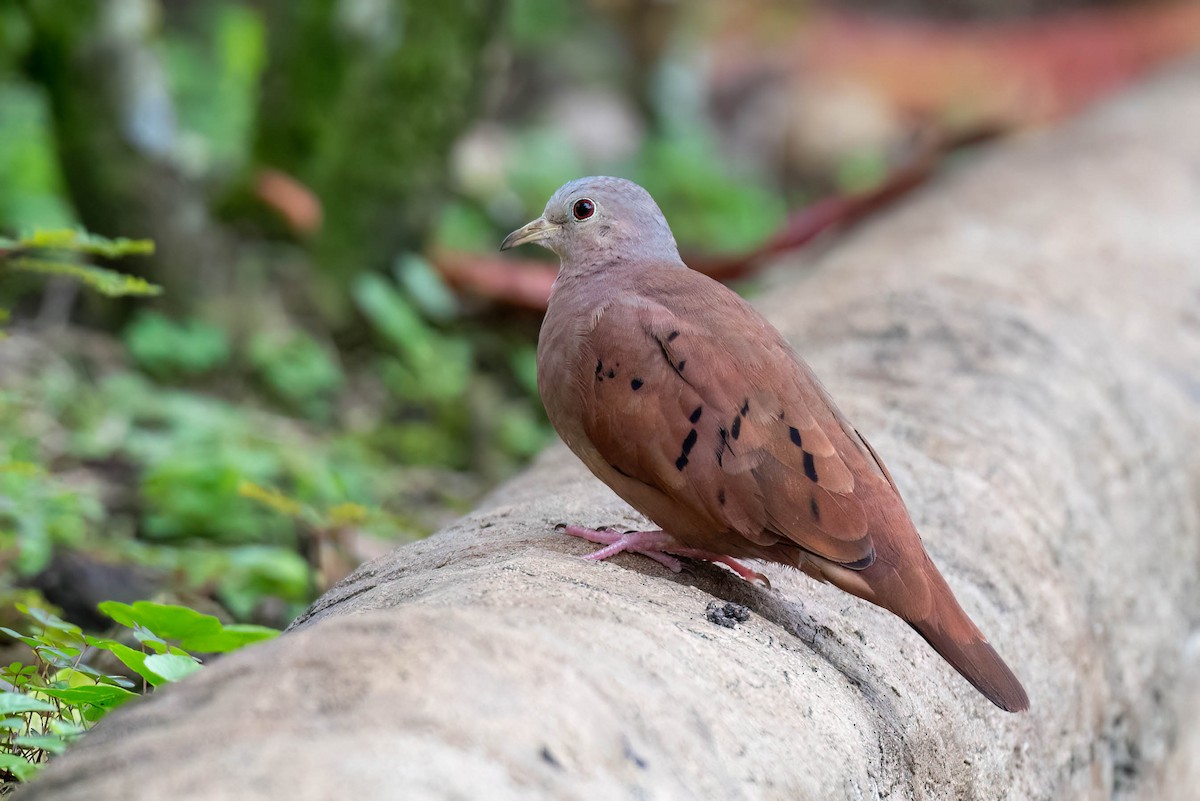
<point x="684" y="400"/>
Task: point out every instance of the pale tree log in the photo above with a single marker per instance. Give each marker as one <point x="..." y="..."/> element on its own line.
<point x="1021" y="342"/>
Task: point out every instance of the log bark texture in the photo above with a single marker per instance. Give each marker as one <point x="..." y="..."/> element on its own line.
<point x="1020" y="341"/>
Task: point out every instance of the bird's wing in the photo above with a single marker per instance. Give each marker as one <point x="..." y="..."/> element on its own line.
<point x="732" y="425"/>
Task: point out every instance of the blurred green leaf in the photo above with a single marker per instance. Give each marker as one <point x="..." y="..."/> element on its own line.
<point x="107" y="282"/>
<point x="297" y="368"/>
<point x="132" y="658"/>
<point x="13" y="703"/>
<point x="50" y="743"/>
<point x="18" y="766"/>
<point x="172" y="667"/>
<point x="168" y="621"/>
<point x="425" y="286"/>
<point x="100" y="695"/>
<point x="168" y="348"/>
<point x="77" y="241"/>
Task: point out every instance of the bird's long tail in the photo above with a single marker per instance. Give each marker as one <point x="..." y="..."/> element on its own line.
<point x="917" y="593"/>
<point x="979" y="664"/>
<point x="956" y="638"/>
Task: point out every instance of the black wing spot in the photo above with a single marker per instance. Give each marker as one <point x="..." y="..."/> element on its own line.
<point x="736" y="428"/>
<point x="799" y="443"/>
<point x="724" y="446"/>
<point x="816" y="510"/>
<point x="810" y="467"/>
<point x="671" y="336"/>
<point x="745" y="407"/>
<point x="694" y="417"/>
<point x="721" y="496"/>
<point x="636" y="384"/>
<point x="678" y="368"/>
<point x="689" y="442"/>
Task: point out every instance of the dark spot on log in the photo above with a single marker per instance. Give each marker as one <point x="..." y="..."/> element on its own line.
<point x="599" y="366"/>
<point x="726" y="614"/>
<point x="721" y="496"/>
<point x="745" y="407"/>
<point x="810" y="467"/>
<point x="633" y="756"/>
<point x="611" y="373"/>
<point x="816" y="510"/>
<point x="781" y="414"/>
<point x="550" y="759"/>
<point x="679" y="367"/>
<point x="681" y="462"/>
<point x="636" y="384"/>
<point x="737" y="427"/>
<point x="795" y="437"/>
<point x="695" y="416"/>
<point x="671" y="336"/>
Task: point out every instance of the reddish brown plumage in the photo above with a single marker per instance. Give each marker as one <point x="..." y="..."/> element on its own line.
<point x="683" y="399"/>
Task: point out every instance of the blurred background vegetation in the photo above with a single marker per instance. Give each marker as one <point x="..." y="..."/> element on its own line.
<point x="338" y="361"/>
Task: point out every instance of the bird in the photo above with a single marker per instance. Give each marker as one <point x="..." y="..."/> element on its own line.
<point x="676" y="393"/>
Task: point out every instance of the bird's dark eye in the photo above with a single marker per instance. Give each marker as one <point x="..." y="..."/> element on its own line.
<point x="583" y="209"/>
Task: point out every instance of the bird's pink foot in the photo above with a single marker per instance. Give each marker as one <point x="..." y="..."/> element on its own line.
<point x="659" y="546"/>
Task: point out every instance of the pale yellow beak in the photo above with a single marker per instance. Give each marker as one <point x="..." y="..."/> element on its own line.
<point x="535" y="231"/>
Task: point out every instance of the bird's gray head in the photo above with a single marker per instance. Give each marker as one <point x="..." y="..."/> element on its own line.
<point x="592" y="223"/>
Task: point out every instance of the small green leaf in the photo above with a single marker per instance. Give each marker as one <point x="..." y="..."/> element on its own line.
<point x="47" y="619"/>
<point x="32" y="642"/>
<point x="172" y="667"/>
<point x="49" y="743"/>
<point x="163" y="620"/>
<point x="132" y="658"/>
<point x="101" y="695"/>
<point x="107" y="282"/>
<point x="11" y="703"/>
<point x="231" y="638"/>
<point x="13" y="724"/>
<point x="20" y="767"/>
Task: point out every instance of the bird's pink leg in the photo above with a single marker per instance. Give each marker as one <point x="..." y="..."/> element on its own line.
<point x="659" y="546"/>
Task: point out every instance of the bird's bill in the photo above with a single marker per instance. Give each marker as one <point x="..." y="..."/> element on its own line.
<point x="535" y="231"/>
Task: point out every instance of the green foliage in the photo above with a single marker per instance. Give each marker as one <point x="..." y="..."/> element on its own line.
<point x="428" y="366"/>
<point x="48" y="704"/>
<point x="165" y="348"/>
<point x="38" y="512"/>
<point x="182" y="459"/>
<point x="32" y="190"/>
<point x="56" y="252"/>
<point x="297" y="369"/>
<point x="213" y="76"/>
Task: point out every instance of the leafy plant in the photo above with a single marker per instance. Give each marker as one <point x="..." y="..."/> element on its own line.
<point x="48" y="704"/>
<point x="168" y="349"/>
<point x="37" y="512"/>
<point x="297" y="369"/>
<point x="59" y="252"/>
